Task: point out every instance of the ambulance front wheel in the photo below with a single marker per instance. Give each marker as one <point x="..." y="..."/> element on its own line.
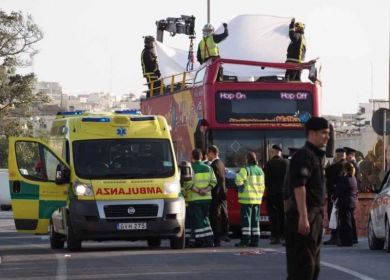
<point x="178" y="242"/>
<point x="73" y="243"/>
<point x="57" y="241"/>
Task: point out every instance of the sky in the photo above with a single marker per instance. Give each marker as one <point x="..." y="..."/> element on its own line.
<point x="95" y="45"/>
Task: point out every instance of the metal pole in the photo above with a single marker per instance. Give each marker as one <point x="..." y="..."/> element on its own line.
<point x="208" y="11"/>
<point x="384" y="140"/>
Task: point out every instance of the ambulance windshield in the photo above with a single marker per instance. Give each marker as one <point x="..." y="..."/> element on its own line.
<point x="123" y="159"/>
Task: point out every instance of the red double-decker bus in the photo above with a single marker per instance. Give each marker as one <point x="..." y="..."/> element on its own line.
<point x="239" y="106"/>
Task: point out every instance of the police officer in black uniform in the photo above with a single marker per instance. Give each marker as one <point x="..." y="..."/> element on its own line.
<point x="275" y="170"/>
<point x="333" y="173"/>
<point x="305" y="205"/>
<point x="150" y="68"/>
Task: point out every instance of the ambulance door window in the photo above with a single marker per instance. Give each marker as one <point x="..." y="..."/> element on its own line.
<point x="29" y="160"/>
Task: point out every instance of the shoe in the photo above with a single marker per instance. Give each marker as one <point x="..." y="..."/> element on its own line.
<point x="274" y="241"/>
<point x="330" y="242"/>
<point x="217" y="244"/>
<point x="226" y="239"/>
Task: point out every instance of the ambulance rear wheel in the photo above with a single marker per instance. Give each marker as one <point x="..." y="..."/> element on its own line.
<point x="57" y="241"/>
<point x="178" y="242"/>
<point x="154" y="242"/>
<point x="73" y="243"/>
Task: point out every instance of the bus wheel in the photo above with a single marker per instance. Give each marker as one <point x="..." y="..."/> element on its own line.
<point x="154" y="242"/>
<point x="178" y="242"/>
<point x="57" y="241"/>
<point x="73" y="243"/>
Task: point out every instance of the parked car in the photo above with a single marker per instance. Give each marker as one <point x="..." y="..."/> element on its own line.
<point x="5" y="198"/>
<point x="378" y="222"/>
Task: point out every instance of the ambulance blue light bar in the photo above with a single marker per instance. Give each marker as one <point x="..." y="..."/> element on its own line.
<point x="100" y="120"/>
<point x="73" y="113"/>
<point x="129" y="112"/>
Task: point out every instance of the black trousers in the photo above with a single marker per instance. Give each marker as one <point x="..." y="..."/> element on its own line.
<point x="276" y="215"/>
<point x="293" y="75"/>
<point x="153" y="80"/>
<point x="219" y="220"/>
<point x="345" y="227"/>
<point x="303" y="251"/>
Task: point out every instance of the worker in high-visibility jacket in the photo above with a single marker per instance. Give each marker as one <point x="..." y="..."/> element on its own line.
<point x="208" y="47"/>
<point x="150" y="68"/>
<point x="186" y="175"/>
<point x="296" y="49"/>
<point x="199" y="199"/>
<point x="250" y="182"/>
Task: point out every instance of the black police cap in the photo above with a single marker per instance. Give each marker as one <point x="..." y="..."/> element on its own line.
<point x="349" y="150"/>
<point x="277" y="147"/>
<point x="340" y="150"/>
<point x="317" y="123"/>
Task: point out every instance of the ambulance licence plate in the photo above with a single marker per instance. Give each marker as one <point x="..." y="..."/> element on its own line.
<point x="131" y="226"/>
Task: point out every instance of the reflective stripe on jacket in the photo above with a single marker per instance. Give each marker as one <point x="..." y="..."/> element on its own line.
<point x="203" y="177"/>
<point x="208" y="48"/>
<point x="253" y="190"/>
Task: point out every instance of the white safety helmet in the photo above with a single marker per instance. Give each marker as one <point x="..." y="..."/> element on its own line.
<point x="208" y="29"/>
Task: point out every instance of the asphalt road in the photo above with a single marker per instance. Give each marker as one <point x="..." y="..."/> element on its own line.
<point x="30" y="257"/>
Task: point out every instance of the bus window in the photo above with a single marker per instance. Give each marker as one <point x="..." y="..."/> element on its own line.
<point x="234" y="145"/>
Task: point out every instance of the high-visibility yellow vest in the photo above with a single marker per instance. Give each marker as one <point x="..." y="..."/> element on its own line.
<point x="203" y="177"/>
<point x="208" y="48"/>
<point x="252" y="178"/>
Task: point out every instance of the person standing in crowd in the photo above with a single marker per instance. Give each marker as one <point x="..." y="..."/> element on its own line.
<point x="208" y="47"/>
<point x="186" y="175"/>
<point x="296" y="49"/>
<point x="351" y="157"/>
<point x="250" y="182"/>
<point x="275" y="171"/>
<point x="333" y="173"/>
<point x="150" y="68"/>
<point x="218" y="209"/>
<point x="304" y="215"/>
<point x="346" y="195"/>
<point x="199" y="199"/>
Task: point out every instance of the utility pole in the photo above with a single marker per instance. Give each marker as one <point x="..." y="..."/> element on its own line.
<point x="208" y="11"/>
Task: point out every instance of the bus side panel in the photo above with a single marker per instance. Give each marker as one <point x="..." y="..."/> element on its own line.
<point x="183" y="110"/>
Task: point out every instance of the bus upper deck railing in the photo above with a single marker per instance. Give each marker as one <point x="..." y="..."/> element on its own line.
<point x="178" y="82"/>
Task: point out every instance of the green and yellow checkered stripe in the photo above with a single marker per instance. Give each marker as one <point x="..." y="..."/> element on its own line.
<point x="31" y="214"/>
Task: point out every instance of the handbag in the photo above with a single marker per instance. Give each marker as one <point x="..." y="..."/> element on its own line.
<point x="333" y="217"/>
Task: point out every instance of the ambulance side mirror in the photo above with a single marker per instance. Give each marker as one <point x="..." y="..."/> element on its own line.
<point x="62" y="174"/>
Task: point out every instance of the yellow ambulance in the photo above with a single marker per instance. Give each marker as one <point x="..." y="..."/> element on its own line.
<point x="98" y="177"/>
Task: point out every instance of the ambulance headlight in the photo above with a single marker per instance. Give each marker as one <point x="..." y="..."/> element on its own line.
<point x="172" y="187"/>
<point x="82" y="189"/>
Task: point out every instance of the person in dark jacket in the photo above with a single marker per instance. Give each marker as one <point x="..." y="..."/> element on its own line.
<point x="218" y="209"/>
<point x="296" y="49"/>
<point x="346" y="195"/>
<point x="150" y="68"/>
<point x="208" y="47"/>
<point x="351" y="157"/>
<point x="275" y="171"/>
<point x="333" y="173"/>
<point x="304" y="216"/>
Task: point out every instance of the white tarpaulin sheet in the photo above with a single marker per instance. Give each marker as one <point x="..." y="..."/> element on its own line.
<point x="251" y="37"/>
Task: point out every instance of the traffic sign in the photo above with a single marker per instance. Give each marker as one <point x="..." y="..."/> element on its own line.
<point x="377" y="121"/>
